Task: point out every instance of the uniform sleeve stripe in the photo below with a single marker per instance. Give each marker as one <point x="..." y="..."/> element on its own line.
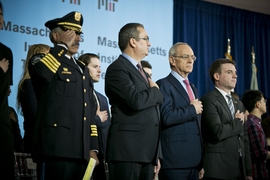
<point x="51" y="62"/>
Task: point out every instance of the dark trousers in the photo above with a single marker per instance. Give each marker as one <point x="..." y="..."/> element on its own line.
<point x="183" y="174"/>
<point x="131" y="171"/>
<point x="62" y="168"/>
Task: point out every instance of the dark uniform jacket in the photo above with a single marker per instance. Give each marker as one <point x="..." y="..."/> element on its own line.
<point x="65" y="125"/>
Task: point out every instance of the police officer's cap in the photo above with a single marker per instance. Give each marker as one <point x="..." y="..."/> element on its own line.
<point x="71" y="21"/>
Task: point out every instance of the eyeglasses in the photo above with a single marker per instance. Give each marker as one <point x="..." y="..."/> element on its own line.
<point x="187" y="57"/>
<point x="145" y="38"/>
<point x="264" y="101"/>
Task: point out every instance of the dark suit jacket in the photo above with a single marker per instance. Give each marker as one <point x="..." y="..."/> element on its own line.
<point x="223" y="137"/>
<point x="135" y="128"/>
<point x="103" y="127"/>
<point x="181" y="135"/>
<point x="65" y="125"/>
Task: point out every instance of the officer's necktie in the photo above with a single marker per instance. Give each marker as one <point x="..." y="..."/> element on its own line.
<point x="230" y="104"/>
<point x="141" y="71"/>
<point x="190" y="94"/>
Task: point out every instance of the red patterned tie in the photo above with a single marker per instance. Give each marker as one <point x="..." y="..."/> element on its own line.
<point x="190" y="94"/>
<point x="141" y="71"/>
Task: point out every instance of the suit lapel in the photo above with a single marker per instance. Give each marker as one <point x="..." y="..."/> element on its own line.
<point x="223" y="102"/>
<point x="178" y="86"/>
<point x="132" y="69"/>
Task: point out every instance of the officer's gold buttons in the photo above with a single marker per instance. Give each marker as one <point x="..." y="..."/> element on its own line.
<point x="84" y="90"/>
<point x="83" y="77"/>
<point x="84" y="118"/>
<point x="68" y="80"/>
<point x="85" y="104"/>
<point x="55" y="125"/>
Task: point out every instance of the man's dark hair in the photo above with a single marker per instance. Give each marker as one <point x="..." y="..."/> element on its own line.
<point x="146" y="64"/>
<point x="127" y="32"/>
<point x="216" y="67"/>
<point x="250" y="98"/>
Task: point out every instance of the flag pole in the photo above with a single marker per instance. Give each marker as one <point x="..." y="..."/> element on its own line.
<point x="254" y="81"/>
<point x="228" y="53"/>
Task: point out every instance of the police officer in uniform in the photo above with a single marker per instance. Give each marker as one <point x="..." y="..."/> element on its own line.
<point x="65" y="134"/>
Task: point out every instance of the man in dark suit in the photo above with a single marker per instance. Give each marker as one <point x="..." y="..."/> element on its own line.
<point x="133" y="140"/>
<point x="65" y="134"/>
<point x="224" y="130"/>
<point x="6" y="134"/>
<point x="181" y="110"/>
<point x="102" y="118"/>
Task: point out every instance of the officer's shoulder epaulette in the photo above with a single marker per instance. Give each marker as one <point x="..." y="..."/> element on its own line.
<point x="36" y="58"/>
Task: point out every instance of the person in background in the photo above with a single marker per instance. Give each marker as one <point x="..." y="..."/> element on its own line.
<point x="65" y="134"/>
<point x="266" y="129"/>
<point x="147" y="67"/>
<point x="26" y="98"/>
<point x="14" y="121"/>
<point x="102" y="118"/>
<point x="6" y="134"/>
<point x="225" y="136"/>
<point x="181" y="140"/>
<point x="133" y="148"/>
<point x="255" y="104"/>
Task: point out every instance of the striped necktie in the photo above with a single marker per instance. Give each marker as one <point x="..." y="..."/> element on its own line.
<point x="230" y="104"/>
<point x="141" y="71"/>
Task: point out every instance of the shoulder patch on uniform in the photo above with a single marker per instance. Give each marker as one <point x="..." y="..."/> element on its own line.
<point x="36" y="58"/>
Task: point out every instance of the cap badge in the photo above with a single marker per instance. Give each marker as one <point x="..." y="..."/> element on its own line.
<point x="77" y="16"/>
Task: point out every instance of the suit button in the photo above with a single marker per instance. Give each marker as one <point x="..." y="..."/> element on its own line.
<point x="83" y="77"/>
<point x="84" y="90"/>
<point x="85" y="104"/>
<point x="55" y="125"/>
<point x="84" y="118"/>
<point x="67" y="80"/>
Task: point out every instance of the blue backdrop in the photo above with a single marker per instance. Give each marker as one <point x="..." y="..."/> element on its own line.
<point x="24" y="26"/>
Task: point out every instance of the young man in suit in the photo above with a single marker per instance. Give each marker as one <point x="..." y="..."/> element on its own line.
<point x="65" y="134"/>
<point x="133" y="140"/>
<point x="6" y="134"/>
<point x="181" y="110"/>
<point x="223" y="127"/>
<point x="102" y="118"/>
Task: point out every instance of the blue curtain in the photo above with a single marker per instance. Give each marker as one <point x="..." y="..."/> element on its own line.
<point x="206" y="27"/>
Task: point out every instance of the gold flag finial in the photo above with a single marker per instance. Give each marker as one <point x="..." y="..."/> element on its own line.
<point x="228" y="53"/>
<point x="253" y="55"/>
<point x="229" y="47"/>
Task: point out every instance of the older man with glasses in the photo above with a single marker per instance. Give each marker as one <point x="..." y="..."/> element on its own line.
<point x="181" y="110"/>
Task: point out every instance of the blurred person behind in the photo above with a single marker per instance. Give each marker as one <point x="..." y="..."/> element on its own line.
<point x="102" y="118"/>
<point x="14" y="120"/>
<point x="147" y="67"/>
<point x="26" y="98"/>
<point x="266" y="129"/>
<point x="255" y="104"/>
